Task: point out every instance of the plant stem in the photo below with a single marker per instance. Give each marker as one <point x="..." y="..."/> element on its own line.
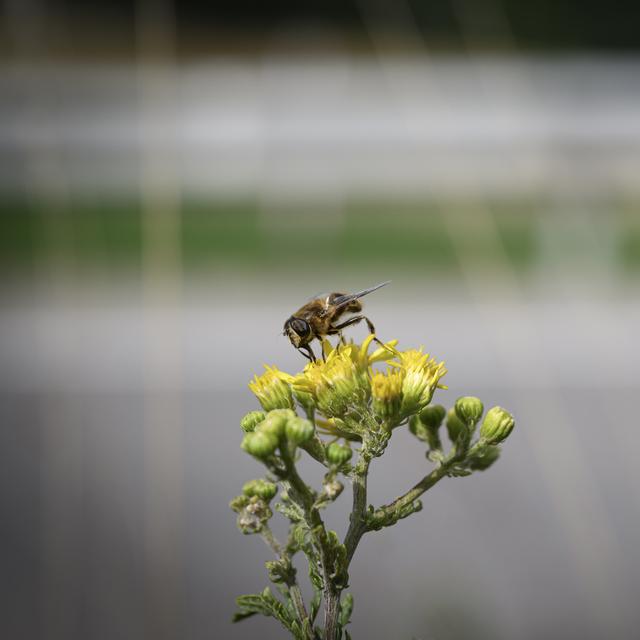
<point x="298" y="602"/>
<point x="357" y="524"/>
<point x="382" y="513"/>
<point x="331" y="612"/>
<point x="306" y="500"/>
<point x="269" y="538"/>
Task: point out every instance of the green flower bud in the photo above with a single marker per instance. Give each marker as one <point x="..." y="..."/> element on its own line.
<point x="261" y="488"/>
<point x="469" y="409"/>
<point x="484" y="458"/>
<point x="497" y="425"/>
<point x="338" y="453"/>
<point x="432" y="416"/>
<point x="455" y="426"/>
<point x="276" y="421"/>
<point x="299" y="430"/>
<point x="252" y="420"/>
<point x="260" y="444"/>
<point x="239" y="503"/>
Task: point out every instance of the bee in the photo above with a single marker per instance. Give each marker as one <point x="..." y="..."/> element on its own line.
<point x="319" y="318"/>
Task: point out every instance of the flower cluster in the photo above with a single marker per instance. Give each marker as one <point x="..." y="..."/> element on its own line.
<point x="344" y="383"/>
<point x="356" y="393"/>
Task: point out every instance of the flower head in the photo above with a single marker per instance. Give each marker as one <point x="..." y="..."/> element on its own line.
<point x="340" y="382"/>
<point x="271" y="390"/>
<point x="421" y="376"/>
<point x="386" y="393"/>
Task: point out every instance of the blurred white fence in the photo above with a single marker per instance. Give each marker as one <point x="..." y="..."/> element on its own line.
<point x="405" y="125"/>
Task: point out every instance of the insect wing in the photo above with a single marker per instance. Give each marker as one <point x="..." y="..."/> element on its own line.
<point x="345" y="299"/>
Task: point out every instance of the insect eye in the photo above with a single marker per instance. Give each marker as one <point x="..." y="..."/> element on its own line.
<point x="301" y="327"/>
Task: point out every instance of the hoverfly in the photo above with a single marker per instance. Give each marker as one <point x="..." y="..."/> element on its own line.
<point x="319" y="316"/>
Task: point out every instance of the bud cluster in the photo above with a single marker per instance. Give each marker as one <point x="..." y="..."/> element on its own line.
<point x="461" y="422"/>
<point x="277" y="426"/>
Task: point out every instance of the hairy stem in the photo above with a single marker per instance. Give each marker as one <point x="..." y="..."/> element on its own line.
<point x="357" y="524"/>
<point x="331" y="612"/>
<point x="382" y="513"/>
<point x="269" y="538"/>
<point x="298" y="602"/>
<point x="306" y="499"/>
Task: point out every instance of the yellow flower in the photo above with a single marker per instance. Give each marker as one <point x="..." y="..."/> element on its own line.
<point x="340" y="382"/>
<point x="386" y="393"/>
<point x="420" y="377"/>
<point x="271" y="390"/>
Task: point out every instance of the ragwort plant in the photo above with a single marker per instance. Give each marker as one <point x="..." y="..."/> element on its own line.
<point x="351" y="411"/>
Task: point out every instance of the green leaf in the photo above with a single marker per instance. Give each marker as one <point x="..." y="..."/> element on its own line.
<point x="315" y="604"/>
<point x="242" y="615"/>
<point x="346" y="608"/>
<point x="337" y="560"/>
<point x="266" y="604"/>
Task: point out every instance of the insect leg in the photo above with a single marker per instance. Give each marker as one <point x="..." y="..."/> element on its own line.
<point x="372" y="329"/>
<point x="310" y="350"/>
<point x="309" y="355"/>
<point x="355" y="320"/>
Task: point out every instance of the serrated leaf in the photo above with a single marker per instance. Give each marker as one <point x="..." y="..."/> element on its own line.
<point x="314" y="606"/>
<point x="346" y="608"/>
<point x="241" y="615"/>
<point x="297" y="631"/>
<point x="266" y="604"/>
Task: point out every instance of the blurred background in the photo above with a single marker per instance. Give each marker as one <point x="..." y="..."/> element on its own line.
<point x="177" y="178"/>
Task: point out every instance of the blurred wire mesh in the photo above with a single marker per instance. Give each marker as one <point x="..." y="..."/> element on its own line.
<point x="173" y="185"/>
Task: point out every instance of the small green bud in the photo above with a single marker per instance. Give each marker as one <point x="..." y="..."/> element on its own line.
<point x="484" y="458"/>
<point x="299" y="430"/>
<point x="432" y="416"/>
<point x="261" y="488"/>
<point x="469" y="409"/>
<point x="338" y="453"/>
<point x="260" y="444"/>
<point x="239" y="503"/>
<point x="497" y="425"/>
<point x="276" y="421"/>
<point x="455" y="426"/>
<point x="252" y="420"/>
